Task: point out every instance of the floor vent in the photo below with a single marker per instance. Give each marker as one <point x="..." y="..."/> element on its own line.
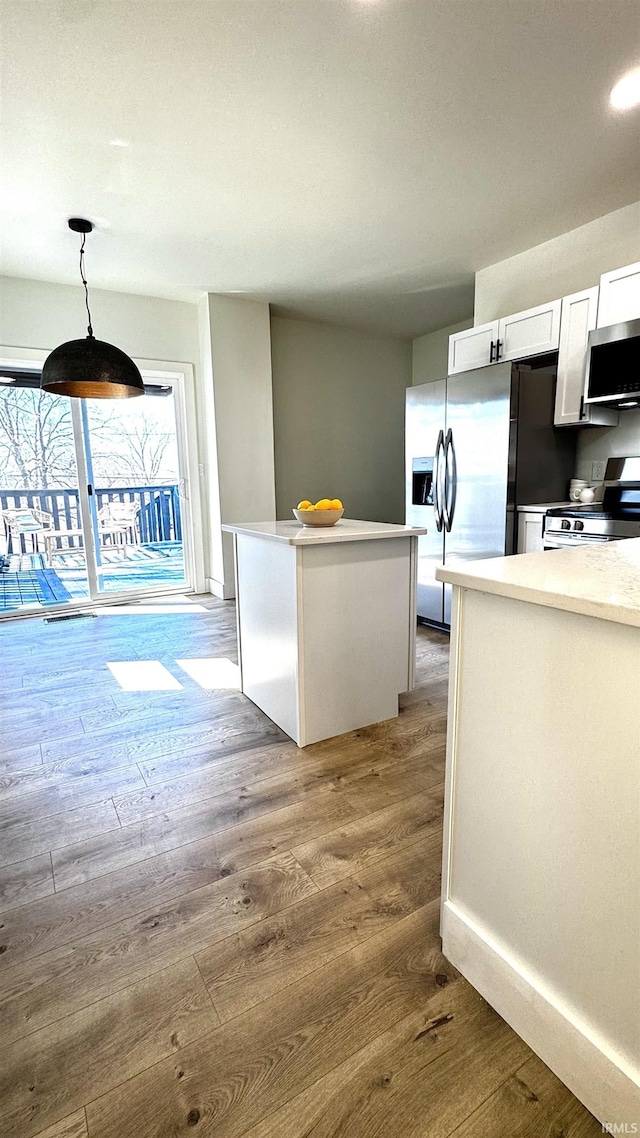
<point x="68" y="616"/>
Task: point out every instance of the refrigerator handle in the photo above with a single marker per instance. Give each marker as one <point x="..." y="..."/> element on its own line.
<point x="445" y="464"/>
<point x="437" y="502"/>
<point x="451" y="480"/>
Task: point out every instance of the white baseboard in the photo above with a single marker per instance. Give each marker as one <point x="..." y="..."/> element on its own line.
<point x="221" y="589"/>
<point x="599" y="1078"/>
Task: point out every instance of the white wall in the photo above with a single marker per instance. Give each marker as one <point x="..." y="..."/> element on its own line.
<point x="573" y="261"/>
<point x="236" y="355"/>
<point x="338" y="398"/>
<point x="431" y="353"/>
<point x="39" y="314"/>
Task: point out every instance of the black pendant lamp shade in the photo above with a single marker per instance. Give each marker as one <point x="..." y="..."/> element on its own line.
<point x="90" y="368"/>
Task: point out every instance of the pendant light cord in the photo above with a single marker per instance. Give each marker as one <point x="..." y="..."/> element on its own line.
<point x="86" y="287"/>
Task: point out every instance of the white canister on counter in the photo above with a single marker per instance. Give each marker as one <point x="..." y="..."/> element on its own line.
<point x="575" y="487"/>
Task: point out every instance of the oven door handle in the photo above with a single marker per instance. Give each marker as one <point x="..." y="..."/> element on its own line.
<point x="559" y="541"/>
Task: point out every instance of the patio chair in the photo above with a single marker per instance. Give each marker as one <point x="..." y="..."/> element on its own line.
<point x="118" y="521"/>
<point x="117" y="528"/>
<point x="26" y="520"/>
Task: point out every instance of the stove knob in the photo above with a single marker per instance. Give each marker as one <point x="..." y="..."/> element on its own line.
<point x="565" y="524"/>
<point x="578" y="525"/>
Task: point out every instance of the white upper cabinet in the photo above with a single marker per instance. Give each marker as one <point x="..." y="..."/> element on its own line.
<point x="475" y="347"/>
<point x="579" y="313"/>
<point x="562" y="326"/>
<point x="530" y="333"/>
<point x="578" y="318"/>
<point x="619" y="296"/>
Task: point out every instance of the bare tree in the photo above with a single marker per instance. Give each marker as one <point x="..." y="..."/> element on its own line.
<point x="36" y="440"/>
<point x="37" y="445"/>
<point x="137" y="455"/>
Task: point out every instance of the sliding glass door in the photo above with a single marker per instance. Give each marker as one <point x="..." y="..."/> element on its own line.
<point x="133" y="469"/>
<point x="39" y="496"/>
<point x="95" y="500"/>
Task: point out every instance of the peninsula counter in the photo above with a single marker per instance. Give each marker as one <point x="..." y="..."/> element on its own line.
<point x="541" y="869"/>
<point x="326" y="622"/>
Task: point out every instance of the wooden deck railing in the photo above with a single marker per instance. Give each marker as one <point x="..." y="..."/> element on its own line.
<point x="158" y="518"/>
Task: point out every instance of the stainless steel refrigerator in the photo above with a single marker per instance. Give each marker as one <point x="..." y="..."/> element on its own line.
<point x="478" y="444"/>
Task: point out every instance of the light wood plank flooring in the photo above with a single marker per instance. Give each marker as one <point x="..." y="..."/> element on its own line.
<point x="205" y="931"/>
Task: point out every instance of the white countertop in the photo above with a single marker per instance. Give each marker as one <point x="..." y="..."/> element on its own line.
<point x="601" y="580"/>
<point x="345" y="530"/>
<point x="542" y="507"/>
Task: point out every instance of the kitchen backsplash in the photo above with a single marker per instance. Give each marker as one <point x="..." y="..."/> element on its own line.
<point x="597" y="444"/>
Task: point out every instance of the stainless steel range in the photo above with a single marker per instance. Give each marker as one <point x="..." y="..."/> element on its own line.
<point x="616" y="517"/>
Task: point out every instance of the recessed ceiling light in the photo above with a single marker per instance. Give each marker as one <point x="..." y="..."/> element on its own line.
<point x="626" y="93"/>
<point x="118" y="142"/>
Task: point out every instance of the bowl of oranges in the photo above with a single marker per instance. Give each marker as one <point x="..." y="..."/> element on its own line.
<point x="326" y="512"/>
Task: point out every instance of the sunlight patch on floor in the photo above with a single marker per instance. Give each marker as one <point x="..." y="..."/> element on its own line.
<point x="155" y="609"/>
<point x="215" y="673"/>
<point x="143" y="675"/>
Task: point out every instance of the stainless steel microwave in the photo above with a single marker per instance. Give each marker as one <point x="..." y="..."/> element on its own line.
<point x="613" y="366"/>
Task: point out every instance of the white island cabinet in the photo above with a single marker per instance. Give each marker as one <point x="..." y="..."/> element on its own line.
<point x="326" y="622"/>
<point x="541" y="869"/>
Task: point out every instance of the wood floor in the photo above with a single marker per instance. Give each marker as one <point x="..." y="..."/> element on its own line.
<point x="205" y="931"/>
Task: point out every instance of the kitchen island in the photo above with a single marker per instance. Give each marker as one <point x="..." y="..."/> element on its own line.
<point x="326" y="622"/>
<point x="541" y="866"/>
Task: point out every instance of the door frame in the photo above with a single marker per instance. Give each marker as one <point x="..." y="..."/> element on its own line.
<point x="181" y="376"/>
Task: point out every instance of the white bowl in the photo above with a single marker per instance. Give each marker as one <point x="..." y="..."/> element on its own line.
<point x="318" y="517"/>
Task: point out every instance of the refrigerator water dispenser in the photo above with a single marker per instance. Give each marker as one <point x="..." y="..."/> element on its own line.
<point x="422" y="473"/>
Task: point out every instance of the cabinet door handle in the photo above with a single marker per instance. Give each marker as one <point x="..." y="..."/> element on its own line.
<point x="491" y="352"/>
<point x="498" y="347"/>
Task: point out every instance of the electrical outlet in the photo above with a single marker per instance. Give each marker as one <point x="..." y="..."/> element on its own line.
<point x="597" y="471"/>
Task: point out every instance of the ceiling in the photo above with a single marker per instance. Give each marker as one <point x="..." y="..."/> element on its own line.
<point x="348" y="160"/>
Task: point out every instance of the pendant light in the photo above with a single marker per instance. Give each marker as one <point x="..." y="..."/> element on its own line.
<point x="90" y="368"/>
